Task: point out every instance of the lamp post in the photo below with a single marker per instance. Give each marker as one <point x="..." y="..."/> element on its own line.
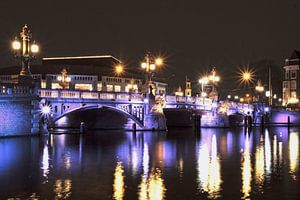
<point x="25" y="49"/>
<point x="64" y="79"/>
<point x="149" y="65"/>
<point x="203" y="81"/>
<point x="259" y="88"/>
<point x="214" y="78"/>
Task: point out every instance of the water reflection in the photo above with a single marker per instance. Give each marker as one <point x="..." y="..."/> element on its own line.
<point x="119" y="185"/>
<point x="294" y="152"/>
<point x="268" y="153"/>
<point x="260" y="163"/>
<point x="45" y="162"/>
<point x="152" y="166"/>
<point x="246" y="169"/>
<point x="62" y="189"/>
<point x="153" y="187"/>
<point x="208" y="167"/>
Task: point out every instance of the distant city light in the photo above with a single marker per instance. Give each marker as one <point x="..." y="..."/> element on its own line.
<point x="228" y="96"/>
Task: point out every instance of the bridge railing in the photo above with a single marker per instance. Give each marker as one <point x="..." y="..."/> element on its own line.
<point x="71" y="94"/>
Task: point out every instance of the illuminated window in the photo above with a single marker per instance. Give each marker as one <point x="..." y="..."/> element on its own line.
<point x="99" y="86"/>
<point x="56" y="86"/>
<point x="285" y="84"/>
<point x="82" y="86"/>
<point x="293" y="74"/>
<point x="109" y="88"/>
<point x="293" y="95"/>
<point x="43" y="84"/>
<point x="131" y="88"/>
<point x="117" y="88"/>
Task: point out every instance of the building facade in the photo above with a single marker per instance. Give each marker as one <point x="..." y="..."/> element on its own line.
<point x="91" y="73"/>
<point x="291" y="82"/>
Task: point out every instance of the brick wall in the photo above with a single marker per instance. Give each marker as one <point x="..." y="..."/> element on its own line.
<point x="18" y="116"/>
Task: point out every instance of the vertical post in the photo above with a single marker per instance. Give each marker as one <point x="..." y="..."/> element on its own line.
<point x="82" y="127"/>
<point x="263" y="122"/>
<point x="270" y="87"/>
<point x="289" y="121"/>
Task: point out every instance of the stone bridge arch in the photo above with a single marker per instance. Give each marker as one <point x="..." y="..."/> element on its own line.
<point x="119" y="110"/>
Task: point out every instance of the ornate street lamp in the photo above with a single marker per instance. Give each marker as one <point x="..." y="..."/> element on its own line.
<point x="64" y="79"/>
<point x="203" y="81"/>
<point x="149" y="65"/>
<point x="25" y="49"/>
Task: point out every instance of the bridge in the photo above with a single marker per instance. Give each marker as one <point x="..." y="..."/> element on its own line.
<point x="24" y="108"/>
<point x="61" y="103"/>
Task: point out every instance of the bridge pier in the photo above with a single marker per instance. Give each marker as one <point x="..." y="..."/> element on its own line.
<point x="155" y="121"/>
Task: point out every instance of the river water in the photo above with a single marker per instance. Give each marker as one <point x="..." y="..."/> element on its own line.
<point x="179" y="164"/>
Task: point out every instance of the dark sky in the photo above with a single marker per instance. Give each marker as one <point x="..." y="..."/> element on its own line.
<point x="193" y="34"/>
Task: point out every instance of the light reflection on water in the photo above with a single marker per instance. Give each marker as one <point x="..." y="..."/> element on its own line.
<point x="217" y="163"/>
<point x="208" y="167"/>
<point x="246" y="169"/>
<point x="119" y="186"/>
<point x="294" y="153"/>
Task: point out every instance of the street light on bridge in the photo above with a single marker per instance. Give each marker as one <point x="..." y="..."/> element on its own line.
<point x="25" y="49"/>
<point x="119" y="69"/>
<point x="149" y="65"/>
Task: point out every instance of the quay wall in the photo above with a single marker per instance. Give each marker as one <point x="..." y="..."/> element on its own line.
<point x="19" y="115"/>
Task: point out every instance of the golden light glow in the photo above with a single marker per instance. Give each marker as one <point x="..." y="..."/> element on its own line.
<point x="159" y="61"/>
<point x="204" y="80"/>
<point x="16" y="45"/>
<point x="209" y="169"/>
<point x="259" y="165"/>
<point x="119" y="185"/>
<point x="294" y="151"/>
<point x="34" y="48"/>
<point x="152" y="188"/>
<point x="119" y="69"/>
<point x="246" y="170"/>
<point x="62" y="189"/>
<point x="259" y="87"/>
<point x="246" y="75"/>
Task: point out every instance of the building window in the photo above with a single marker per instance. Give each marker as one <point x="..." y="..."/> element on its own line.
<point x="285" y="84"/>
<point x="56" y="86"/>
<point x="109" y="88"/>
<point x="293" y="85"/>
<point x="293" y="94"/>
<point x="293" y="74"/>
<point x="43" y="84"/>
<point x="82" y="86"/>
<point x="286" y="75"/>
<point x="99" y="86"/>
<point x="117" y="88"/>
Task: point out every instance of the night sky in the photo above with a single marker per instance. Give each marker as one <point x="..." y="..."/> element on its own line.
<point x="193" y="35"/>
